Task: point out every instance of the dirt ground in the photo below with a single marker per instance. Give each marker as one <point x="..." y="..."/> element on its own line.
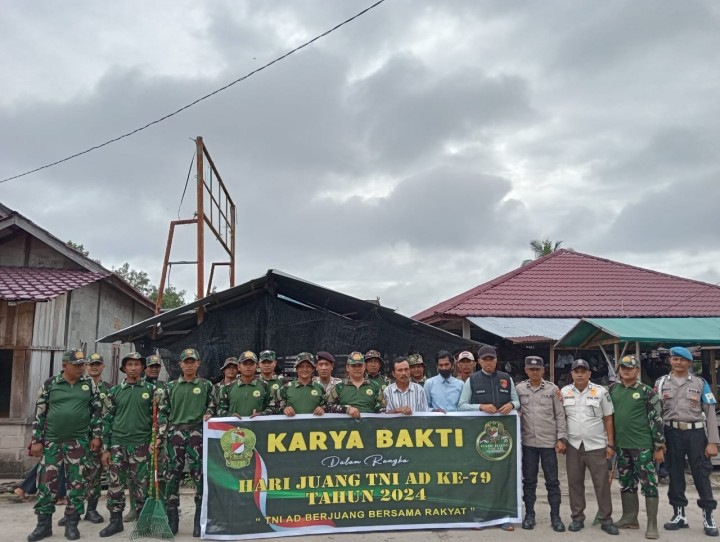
<point x="18" y="520"/>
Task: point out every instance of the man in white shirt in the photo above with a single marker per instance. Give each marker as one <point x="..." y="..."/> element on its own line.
<point x="591" y="442"/>
<point x="403" y="396"/>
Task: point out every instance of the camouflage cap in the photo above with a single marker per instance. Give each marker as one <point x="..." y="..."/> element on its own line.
<point x="355" y="358"/>
<point x="95" y="358"/>
<point x="267" y="354"/>
<point x="374" y="354"/>
<point x="415" y="359"/>
<point x="303" y="357"/>
<point x="189" y="353"/>
<point x="74" y="357"/>
<point x="154" y="359"/>
<point x="630" y="362"/>
<point x="229" y="361"/>
<point x="248" y="355"/>
<point x="131" y="355"/>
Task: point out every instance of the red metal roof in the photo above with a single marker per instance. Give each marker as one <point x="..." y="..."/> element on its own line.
<point x="42" y="284"/>
<point x="575" y="285"/>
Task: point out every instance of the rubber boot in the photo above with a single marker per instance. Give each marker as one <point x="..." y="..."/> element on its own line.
<point x="678" y="521"/>
<point x="555" y="521"/>
<point x="173" y="519"/>
<point x="651" y="505"/>
<point x="132" y="515"/>
<point x="43" y="528"/>
<point x="115" y="525"/>
<point x="92" y="514"/>
<point x="71" y="527"/>
<point x="709" y="523"/>
<point x="196" y="520"/>
<point x="630" y="508"/>
<point x="62" y="520"/>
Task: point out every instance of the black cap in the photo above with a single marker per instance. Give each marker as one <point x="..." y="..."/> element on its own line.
<point x="580" y="363"/>
<point x="534" y="361"/>
<point x="487" y="351"/>
<point x="326" y="356"/>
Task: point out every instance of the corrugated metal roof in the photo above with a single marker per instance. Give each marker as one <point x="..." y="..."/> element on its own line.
<point x="42" y="283"/>
<point x="670" y="331"/>
<point x="523" y="329"/>
<point x="568" y="284"/>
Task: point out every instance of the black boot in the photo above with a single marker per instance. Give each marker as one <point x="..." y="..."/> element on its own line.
<point x="528" y="521"/>
<point x="71" y="526"/>
<point x="173" y="519"/>
<point x="62" y="520"/>
<point x="43" y="529"/>
<point x="678" y="521"/>
<point x="709" y="523"/>
<point x="196" y="521"/>
<point x="115" y="525"/>
<point x="555" y="522"/>
<point x="92" y="514"/>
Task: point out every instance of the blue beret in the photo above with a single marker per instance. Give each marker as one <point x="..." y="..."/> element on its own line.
<point x="681" y="352"/>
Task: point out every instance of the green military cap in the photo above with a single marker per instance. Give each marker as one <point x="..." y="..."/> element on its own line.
<point x="229" y="361"/>
<point x="303" y="357"/>
<point x="248" y="355"/>
<point x="374" y="354"/>
<point x="415" y="359"/>
<point x="630" y="362"/>
<point x="267" y="354"/>
<point x="189" y="353"/>
<point x="154" y="359"/>
<point x="355" y="358"/>
<point x="130" y="355"/>
<point x="74" y="357"/>
<point x="95" y="358"/>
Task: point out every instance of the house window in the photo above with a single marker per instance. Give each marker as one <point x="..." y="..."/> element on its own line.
<point x="6" y="366"/>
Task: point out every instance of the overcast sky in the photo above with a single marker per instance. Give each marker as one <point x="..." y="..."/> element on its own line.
<point x="409" y="156"/>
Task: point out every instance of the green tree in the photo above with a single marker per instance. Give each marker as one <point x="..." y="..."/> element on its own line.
<point x="542" y="248"/>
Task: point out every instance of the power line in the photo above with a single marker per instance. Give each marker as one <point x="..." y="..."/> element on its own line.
<point x="686" y="299"/>
<point x="191" y="104"/>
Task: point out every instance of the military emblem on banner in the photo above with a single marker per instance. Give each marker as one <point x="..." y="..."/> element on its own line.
<point x="494" y="443"/>
<point x="238" y="446"/>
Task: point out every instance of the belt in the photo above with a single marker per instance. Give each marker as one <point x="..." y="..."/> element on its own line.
<point x="186" y="426"/>
<point x="685" y="425"/>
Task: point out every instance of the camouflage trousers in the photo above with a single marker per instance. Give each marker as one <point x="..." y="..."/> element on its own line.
<point x="128" y="467"/>
<point x="636" y="465"/>
<point x="94" y="476"/>
<point x="70" y="455"/>
<point x="183" y="446"/>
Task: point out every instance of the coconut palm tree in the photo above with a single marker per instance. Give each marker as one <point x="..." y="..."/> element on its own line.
<point x="542" y="248"/>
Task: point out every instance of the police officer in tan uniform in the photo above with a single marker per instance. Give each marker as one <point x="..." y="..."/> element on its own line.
<point x="688" y="410"/>
<point x="543" y="437"/>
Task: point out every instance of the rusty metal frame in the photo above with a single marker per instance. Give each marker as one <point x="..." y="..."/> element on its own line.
<point x="218" y="216"/>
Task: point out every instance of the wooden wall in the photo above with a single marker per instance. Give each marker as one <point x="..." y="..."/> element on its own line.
<point x="16" y="333"/>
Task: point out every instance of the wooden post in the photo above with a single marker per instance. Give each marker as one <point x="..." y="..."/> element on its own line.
<point x="466" y="328"/>
<point x="200" y="228"/>
<point x="616" y="353"/>
<point x="552" y="363"/>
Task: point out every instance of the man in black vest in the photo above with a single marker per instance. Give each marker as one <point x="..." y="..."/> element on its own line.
<point x="489" y="390"/>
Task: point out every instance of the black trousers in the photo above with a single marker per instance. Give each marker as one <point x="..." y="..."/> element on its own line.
<point x="688" y="443"/>
<point x="531" y="459"/>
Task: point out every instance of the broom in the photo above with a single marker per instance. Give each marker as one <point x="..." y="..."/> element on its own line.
<point x="153" y="520"/>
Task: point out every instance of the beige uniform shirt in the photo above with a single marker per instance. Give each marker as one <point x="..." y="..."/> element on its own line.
<point x="542" y="414"/>
<point x="584" y="412"/>
<point x="682" y="401"/>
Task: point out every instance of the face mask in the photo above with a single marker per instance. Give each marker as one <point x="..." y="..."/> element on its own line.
<point x="445" y="373"/>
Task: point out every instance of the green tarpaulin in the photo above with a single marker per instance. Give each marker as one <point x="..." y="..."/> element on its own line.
<point x="590" y="332"/>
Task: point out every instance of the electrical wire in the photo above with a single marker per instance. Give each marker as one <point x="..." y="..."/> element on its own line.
<point x="192" y="161"/>
<point x="191" y="104"/>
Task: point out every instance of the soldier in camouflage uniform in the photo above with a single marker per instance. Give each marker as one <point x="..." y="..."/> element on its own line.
<point x="324" y="366"/>
<point x="229" y="372"/>
<point x="302" y="396"/>
<point x="640" y="440"/>
<point x="417" y="369"/>
<point x="67" y="405"/>
<point x="127" y="431"/>
<point x="185" y="404"/>
<point x="268" y="362"/>
<point x="355" y="394"/>
<point x="247" y="396"/>
<point x="94" y="368"/>
<point x="374" y="364"/>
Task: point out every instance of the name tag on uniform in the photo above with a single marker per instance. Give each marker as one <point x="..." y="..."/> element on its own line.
<point x="569" y="401"/>
<point x="593" y="401"/>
